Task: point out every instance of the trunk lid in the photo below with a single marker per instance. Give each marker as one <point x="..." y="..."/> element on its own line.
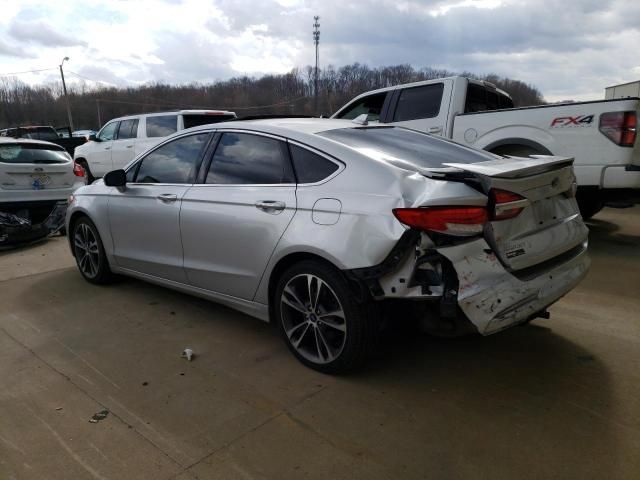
<point x="34" y="166"/>
<point x="549" y="223"/>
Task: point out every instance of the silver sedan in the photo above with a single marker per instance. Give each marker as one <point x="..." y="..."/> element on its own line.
<point x="313" y="223"/>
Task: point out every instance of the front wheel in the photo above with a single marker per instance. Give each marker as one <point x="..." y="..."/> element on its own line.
<point x="321" y="321"/>
<point x="89" y="252"/>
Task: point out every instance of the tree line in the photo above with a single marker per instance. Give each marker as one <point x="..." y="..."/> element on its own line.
<point x="289" y="93"/>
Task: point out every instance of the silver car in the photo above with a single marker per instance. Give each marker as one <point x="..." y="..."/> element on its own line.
<point x="313" y="223"/>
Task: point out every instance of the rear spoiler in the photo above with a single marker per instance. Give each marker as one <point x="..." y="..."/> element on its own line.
<point x="511" y="167"/>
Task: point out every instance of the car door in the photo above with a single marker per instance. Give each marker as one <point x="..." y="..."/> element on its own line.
<point x="232" y="222"/>
<point x="123" y="145"/>
<point x="421" y="108"/>
<point x="145" y="215"/>
<point x="100" y="158"/>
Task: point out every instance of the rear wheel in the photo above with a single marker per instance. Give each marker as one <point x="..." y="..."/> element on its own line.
<point x="590" y="201"/>
<point x="321" y="321"/>
<point x="89" y="252"/>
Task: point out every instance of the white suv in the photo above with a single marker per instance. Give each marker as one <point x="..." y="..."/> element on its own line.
<point x="122" y="139"/>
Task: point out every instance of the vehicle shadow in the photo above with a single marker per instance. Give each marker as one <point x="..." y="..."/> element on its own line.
<point x="605" y="236"/>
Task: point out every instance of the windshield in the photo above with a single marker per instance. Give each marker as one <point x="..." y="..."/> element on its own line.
<point x="405" y="148"/>
<point x="23" y="153"/>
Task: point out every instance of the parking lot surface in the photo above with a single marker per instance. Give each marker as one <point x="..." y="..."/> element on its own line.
<point x="559" y="398"/>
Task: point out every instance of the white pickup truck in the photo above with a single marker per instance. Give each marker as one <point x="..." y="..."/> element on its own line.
<point x="600" y="135"/>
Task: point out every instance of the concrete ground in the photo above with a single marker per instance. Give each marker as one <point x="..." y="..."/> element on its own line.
<point x="557" y="399"/>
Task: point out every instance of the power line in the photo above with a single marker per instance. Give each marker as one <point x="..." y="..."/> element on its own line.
<point x="88" y="79"/>
<point x="25" y="71"/>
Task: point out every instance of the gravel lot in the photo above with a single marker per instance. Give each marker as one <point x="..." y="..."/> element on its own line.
<point x="559" y="398"/>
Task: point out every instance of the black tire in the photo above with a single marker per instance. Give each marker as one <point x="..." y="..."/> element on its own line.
<point x="94" y="267"/>
<point x="360" y="319"/>
<point x="589" y="201"/>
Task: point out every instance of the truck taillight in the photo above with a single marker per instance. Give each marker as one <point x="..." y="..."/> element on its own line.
<point x="458" y="221"/>
<point x="506" y="204"/>
<point x="78" y="170"/>
<point x="619" y="127"/>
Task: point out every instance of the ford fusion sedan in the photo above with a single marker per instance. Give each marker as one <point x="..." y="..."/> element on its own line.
<point x="313" y="223"/>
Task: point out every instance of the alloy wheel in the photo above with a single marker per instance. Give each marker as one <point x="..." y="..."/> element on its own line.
<point x="87" y="250"/>
<point x="313" y="318"/>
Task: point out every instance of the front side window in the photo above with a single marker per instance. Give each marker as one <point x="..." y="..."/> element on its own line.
<point x="108" y="132"/>
<point x="173" y="162"/>
<point x="419" y="102"/>
<point x="310" y="167"/>
<point x="162" y="125"/>
<point x="128" y="129"/>
<point x="371" y="105"/>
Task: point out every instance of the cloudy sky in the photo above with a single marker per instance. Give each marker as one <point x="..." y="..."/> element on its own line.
<point x="569" y="49"/>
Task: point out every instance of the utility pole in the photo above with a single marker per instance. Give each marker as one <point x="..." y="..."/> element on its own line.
<point x="66" y="96"/>
<point x="316" y="41"/>
<point x="98" y="108"/>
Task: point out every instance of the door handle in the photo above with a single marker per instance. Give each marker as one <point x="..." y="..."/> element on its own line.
<point x="270" y="206"/>
<point x="167" y="197"/>
<point x="434" y="129"/>
<point x="107" y="148"/>
<point x="129" y="146"/>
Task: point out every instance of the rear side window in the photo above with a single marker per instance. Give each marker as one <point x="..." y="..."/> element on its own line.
<point x="32" y="153"/>
<point x="173" y="162"/>
<point x="310" y="167"/>
<point x="162" y="125"/>
<point x="480" y="99"/>
<point x="419" y="102"/>
<point x="371" y="105"/>
<point x="128" y="129"/>
<point x="245" y="159"/>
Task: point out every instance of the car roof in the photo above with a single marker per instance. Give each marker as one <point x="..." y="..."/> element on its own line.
<point x="285" y="126"/>
<point x="172" y="112"/>
<point x="9" y="140"/>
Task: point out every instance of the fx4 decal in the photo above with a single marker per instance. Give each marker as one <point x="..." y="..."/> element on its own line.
<point x="578" y="121"/>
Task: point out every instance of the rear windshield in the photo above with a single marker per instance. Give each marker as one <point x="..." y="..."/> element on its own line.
<point x="37" y="133"/>
<point x="405" y="148"/>
<point x="196" y="120"/>
<point x="481" y="99"/>
<point x="24" y="153"/>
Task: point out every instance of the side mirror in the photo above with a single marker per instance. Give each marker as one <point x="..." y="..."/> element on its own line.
<point x="115" y="178"/>
<point x="93" y="137"/>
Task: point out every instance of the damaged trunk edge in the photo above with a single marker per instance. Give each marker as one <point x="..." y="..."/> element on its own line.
<point x="26" y="222"/>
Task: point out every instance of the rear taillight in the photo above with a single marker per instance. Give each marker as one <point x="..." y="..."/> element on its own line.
<point x="619" y="127"/>
<point x="458" y="221"/>
<point x="506" y="204"/>
<point x="78" y="170"/>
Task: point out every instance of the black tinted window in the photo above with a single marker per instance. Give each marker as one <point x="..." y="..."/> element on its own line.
<point x="405" y="148"/>
<point x="310" y="167"/>
<point x="162" y="126"/>
<point x="32" y="153"/>
<point x="242" y="158"/>
<point x="128" y="129"/>
<point x="480" y="99"/>
<point x="371" y="105"/>
<point x="174" y="162"/>
<point x="419" y="102"/>
<point x="195" y="120"/>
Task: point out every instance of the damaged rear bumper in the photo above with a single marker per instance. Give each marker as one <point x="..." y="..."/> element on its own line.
<point x="493" y="298"/>
<point x="27" y="222"/>
<point x="467" y="288"/>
